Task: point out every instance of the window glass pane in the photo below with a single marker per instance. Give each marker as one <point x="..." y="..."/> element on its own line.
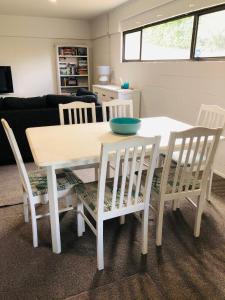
<point x="132" y="45"/>
<point x="211" y="35"/>
<point x="170" y="40"/>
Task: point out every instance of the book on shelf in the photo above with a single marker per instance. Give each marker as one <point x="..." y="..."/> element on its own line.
<point x="82" y="71"/>
<point x="68" y="69"/>
<point x="72" y="51"/>
<point x="68" y="81"/>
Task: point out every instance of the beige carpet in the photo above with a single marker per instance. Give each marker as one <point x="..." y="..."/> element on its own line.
<point x="138" y="286"/>
<point x="183" y="268"/>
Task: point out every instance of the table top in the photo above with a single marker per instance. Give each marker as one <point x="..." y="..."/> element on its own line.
<point x="80" y="144"/>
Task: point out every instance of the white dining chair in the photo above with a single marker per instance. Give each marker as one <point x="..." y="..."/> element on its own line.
<point x="210" y="116"/>
<point x="121" y="195"/>
<point x="34" y="185"/>
<point x="117" y="109"/>
<point x="187" y="179"/>
<point x="77" y="112"/>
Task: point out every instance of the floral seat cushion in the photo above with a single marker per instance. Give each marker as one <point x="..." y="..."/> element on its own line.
<point x="88" y="193"/>
<point x="66" y="179"/>
<point x="156" y="182"/>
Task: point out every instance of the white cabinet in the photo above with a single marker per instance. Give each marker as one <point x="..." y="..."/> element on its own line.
<point x="111" y="92"/>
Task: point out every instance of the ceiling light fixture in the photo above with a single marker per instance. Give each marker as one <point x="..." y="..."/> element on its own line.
<point x="53" y="1"/>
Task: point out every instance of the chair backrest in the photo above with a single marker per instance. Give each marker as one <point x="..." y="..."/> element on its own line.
<point x="17" y="155"/>
<point x="211" y="116"/>
<point x="76" y="112"/>
<point x="117" y="109"/>
<point x="126" y="185"/>
<point x="197" y="147"/>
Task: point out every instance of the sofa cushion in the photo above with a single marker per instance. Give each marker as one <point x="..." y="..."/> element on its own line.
<point x="85" y="92"/>
<point x="55" y="100"/>
<point x="24" y="103"/>
<point x="1" y="103"/>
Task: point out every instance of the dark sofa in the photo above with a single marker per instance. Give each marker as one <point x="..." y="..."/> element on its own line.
<point x="22" y="113"/>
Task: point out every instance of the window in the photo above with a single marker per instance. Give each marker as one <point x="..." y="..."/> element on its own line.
<point x="132" y="45"/>
<point x="170" y="40"/>
<point x="198" y="35"/>
<point x="211" y="35"/>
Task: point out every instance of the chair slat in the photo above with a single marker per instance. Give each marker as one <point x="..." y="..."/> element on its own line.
<point x="140" y="169"/>
<point x="116" y="177"/>
<point x="124" y="177"/>
<point x="193" y="163"/>
<point x="85" y="115"/>
<point x="111" y="112"/>
<point x="199" y="163"/>
<point x="132" y="173"/>
<point x="178" y="166"/>
<point x="75" y="116"/>
<point x="70" y="116"/>
<point x="80" y="115"/>
<point x="184" y="170"/>
<point x="115" y="112"/>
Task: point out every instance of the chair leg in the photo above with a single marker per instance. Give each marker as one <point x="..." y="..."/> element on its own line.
<point x="108" y="170"/>
<point x="25" y="208"/>
<point x="122" y="220"/>
<point x="80" y="220"/>
<point x="198" y="216"/>
<point x="100" y="249"/>
<point x="145" y="231"/>
<point x="176" y="204"/>
<point x="34" y="225"/>
<point x="209" y="186"/>
<point x="83" y="222"/>
<point x="96" y="173"/>
<point x="159" y="223"/>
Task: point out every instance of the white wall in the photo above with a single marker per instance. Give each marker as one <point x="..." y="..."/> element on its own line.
<point x="28" y="46"/>
<point x="174" y="89"/>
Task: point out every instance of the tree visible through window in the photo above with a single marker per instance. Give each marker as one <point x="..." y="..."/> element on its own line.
<point x="171" y="40"/>
<point x="211" y="35"/>
<point x="198" y="35"/>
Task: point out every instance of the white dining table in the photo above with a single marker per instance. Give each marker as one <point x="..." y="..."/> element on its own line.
<point x="62" y="146"/>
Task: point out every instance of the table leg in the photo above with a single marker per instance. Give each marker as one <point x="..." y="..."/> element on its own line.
<point x="54" y="210"/>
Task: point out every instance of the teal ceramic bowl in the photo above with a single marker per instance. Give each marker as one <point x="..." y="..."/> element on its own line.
<point x="125" y="125"/>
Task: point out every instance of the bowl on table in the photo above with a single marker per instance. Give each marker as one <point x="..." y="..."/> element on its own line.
<point x="125" y="126"/>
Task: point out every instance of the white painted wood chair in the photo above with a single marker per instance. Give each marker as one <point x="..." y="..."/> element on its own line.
<point x="34" y="185"/>
<point x="117" y="109"/>
<point x="121" y="195"/>
<point x="77" y="112"/>
<point x="210" y="116"/>
<point x="187" y="179"/>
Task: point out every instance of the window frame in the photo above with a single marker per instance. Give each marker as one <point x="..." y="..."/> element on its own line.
<point x="196" y="14"/>
<point x="124" y="44"/>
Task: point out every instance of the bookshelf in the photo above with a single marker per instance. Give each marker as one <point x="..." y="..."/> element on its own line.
<point x="72" y="68"/>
